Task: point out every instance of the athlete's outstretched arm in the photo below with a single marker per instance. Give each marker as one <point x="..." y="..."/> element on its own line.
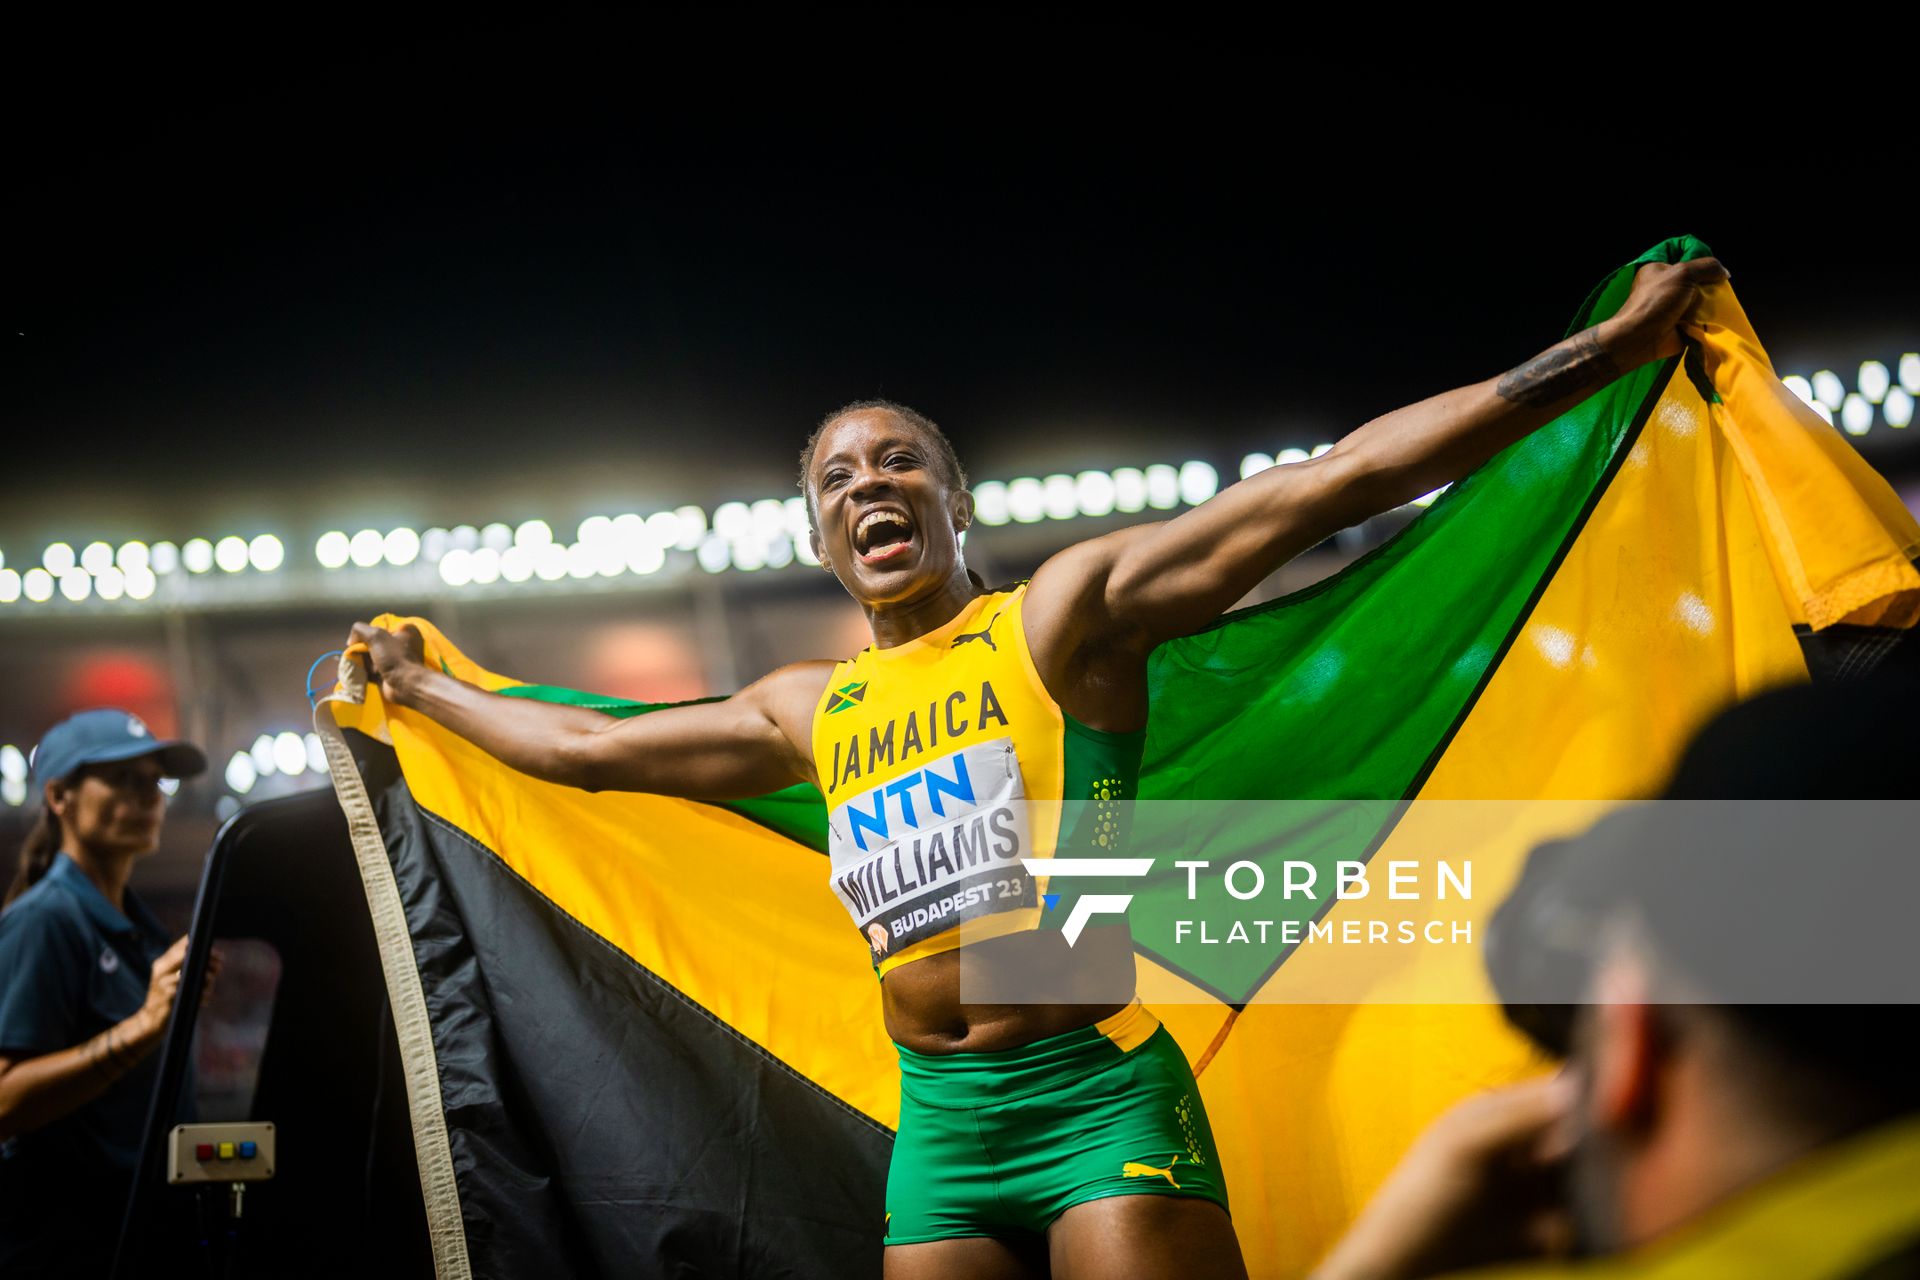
<point x="1163" y="580"/>
<point x="728" y="750"/>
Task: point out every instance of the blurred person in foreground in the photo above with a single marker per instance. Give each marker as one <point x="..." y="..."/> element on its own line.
<point x="1687" y="1137"/>
<point x="87" y="982"/>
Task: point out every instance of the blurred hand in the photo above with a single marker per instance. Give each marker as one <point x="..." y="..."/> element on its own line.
<point x="393" y="657"/>
<point x="163" y="985"/>
<point x="1482" y="1185"/>
<point x="1665" y="296"/>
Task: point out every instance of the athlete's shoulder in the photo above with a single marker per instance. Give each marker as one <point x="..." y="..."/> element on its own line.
<point x="791" y="693"/>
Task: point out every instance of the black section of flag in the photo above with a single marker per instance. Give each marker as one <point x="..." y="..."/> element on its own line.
<point x="602" y="1124"/>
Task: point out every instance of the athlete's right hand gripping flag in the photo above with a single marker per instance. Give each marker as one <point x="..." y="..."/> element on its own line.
<point x="641" y="1037"/>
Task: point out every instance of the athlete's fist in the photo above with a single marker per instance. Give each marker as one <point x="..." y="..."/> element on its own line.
<point x="394" y="658"/>
<point x="1665" y="296"/>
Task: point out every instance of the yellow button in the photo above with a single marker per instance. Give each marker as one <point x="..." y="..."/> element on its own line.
<point x="226" y="1151"/>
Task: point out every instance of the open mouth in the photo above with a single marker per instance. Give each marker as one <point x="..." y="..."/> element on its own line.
<point x="882" y="535"/>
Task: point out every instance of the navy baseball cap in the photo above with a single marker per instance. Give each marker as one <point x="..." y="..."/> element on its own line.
<point x="105" y="735"/>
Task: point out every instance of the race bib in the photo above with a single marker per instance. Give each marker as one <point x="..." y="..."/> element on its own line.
<point x="920" y="853"/>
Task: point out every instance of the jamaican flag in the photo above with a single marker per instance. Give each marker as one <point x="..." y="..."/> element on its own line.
<point x="640" y="1036"/>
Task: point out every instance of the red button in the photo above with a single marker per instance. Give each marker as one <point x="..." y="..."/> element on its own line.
<point x="204" y="1151"/>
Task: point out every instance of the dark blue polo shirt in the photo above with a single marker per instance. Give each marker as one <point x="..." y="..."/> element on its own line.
<point x="70" y="967"/>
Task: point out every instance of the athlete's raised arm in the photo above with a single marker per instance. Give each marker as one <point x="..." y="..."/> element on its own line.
<point x="746" y="745"/>
<point x="1143" y="585"/>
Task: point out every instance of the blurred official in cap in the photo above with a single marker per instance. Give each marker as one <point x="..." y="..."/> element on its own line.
<point x="87" y="981"/>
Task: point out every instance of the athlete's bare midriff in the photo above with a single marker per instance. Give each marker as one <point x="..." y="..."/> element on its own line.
<point x="1044" y="988"/>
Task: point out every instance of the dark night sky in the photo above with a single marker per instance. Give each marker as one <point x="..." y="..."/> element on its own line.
<point x="537" y="278"/>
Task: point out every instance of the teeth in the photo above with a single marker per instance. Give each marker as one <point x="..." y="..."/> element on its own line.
<point x="877" y="517"/>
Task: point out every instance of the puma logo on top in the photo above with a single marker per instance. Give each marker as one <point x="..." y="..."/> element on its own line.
<point x="984" y="633"/>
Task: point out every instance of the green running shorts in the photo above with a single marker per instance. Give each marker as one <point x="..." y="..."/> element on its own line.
<point x="1002" y="1143"/>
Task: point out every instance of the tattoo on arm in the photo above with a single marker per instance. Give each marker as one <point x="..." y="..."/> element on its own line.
<point x="1575" y="365"/>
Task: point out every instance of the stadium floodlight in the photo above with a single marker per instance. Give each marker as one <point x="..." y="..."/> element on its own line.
<point x="1800" y="387"/>
<point x="609" y="559"/>
<point x="169" y="786"/>
<point x="261" y="752"/>
<point x="265" y="553"/>
<point x="37" y="585"/>
<point x="1026" y="503"/>
<point x="1910" y="373"/>
<point x="712" y="552"/>
<point x="96" y="557"/>
<point x="732" y="520"/>
<point x="316" y="753"/>
<point x="197" y="555"/>
<point x="435" y="543"/>
<point x="1828" y="390"/>
<point x="1129" y="489"/>
<point x="769" y="518"/>
<point x="629" y="532"/>
<point x="13" y="791"/>
<point x="990" y="503"/>
<point x="533" y="534"/>
<point x="483" y="567"/>
<point x="367" y="548"/>
<point x="580" y="561"/>
<point x="749" y="554"/>
<point x="496" y="537"/>
<point x="133" y="555"/>
<point x="1856" y="415"/>
<point x="165" y="558"/>
<point x="779" y="551"/>
<point x="1824" y="412"/>
<point x="463" y="538"/>
<point x="1198" y="482"/>
<point x="1874" y="380"/>
<point x="1898" y="410"/>
<point x="663" y="529"/>
<point x="109" y="583"/>
<point x="1058" y="499"/>
<point x="456" y="567"/>
<point x="289" y="754"/>
<point x="230" y="553"/>
<point x="550" y="562"/>
<point x="332" y="549"/>
<point x="76" y="584"/>
<point x="59" y="559"/>
<point x="1320" y="450"/>
<point x="516" y="564"/>
<point x="594" y="530"/>
<point x="9" y="586"/>
<point x="646" y="557"/>
<point x="1163" y="487"/>
<point x="1254" y="463"/>
<point x="803" y="552"/>
<point x="1093" y="491"/>
<point x="401" y="546"/>
<point x="798" y="524"/>
<point x="241" y="773"/>
<point x="693" y="526"/>
<point x="12" y="763"/>
<point x="1287" y="457"/>
<point x="141" y="583"/>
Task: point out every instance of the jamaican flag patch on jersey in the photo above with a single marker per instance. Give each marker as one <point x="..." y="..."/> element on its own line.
<point x="847" y="695"/>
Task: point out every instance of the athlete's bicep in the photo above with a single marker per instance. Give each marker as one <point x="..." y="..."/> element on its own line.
<point x="746" y="745"/>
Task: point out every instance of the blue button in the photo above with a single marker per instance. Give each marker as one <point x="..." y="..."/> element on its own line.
<point x="249" y="1150"/>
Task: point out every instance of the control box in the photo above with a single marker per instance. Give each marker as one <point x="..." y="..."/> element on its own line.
<point x="242" y="1151"/>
